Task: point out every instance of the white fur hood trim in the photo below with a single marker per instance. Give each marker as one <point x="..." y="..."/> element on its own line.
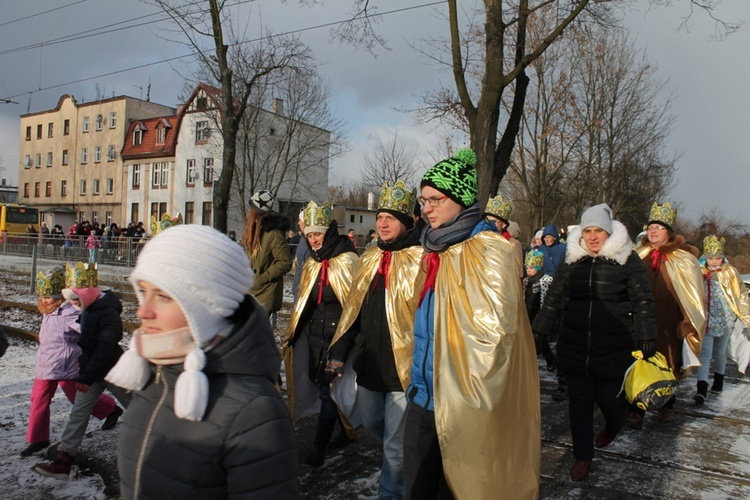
<point x="618" y="246"/>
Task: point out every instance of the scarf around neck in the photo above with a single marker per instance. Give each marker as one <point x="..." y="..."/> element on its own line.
<point x="454" y="231"/>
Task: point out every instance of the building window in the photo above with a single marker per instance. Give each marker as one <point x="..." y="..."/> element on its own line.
<point x="192" y="172"/>
<point x="202" y="132"/>
<point x="208" y="218"/>
<point x="161" y="135"/>
<point x="113" y="120"/>
<point x="27" y="161"/>
<point x="49" y="159"/>
<point x="208" y="170"/>
<point x="189" y="212"/>
<point x="108" y="218"/>
<point x="99" y="122"/>
<point x="50" y="130"/>
<point x="84" y="155"/>
<point x="201" y="103"/>
<point x="110" y="185"/>
<point x="39" y="131"/>
<point x="137" y="137"/>
<point x="81" y="215"/>
<point x="65" y="157"/>
<point x="48" y="189"/>
<point x="66" y="127"/>
<point x="85" y="124"/>
<point x="158" y="209"/>
<point x="111" y="155"/>
<point x="160" y="175"/>
<point x="63" y="188"/>
<point x="351" y="218"/>
<point x="134" y="212"/>
<point x="97" y="154"/>
<point x="97" y="185"/>
<point x="26" y="190"/>
<point x="28" y="133"/>
<point x="38" y="162"/>
<point x="136" y="176"/>
<point x="37" y="189"/>
<point x="83" y="187"/>
<point x="272" y="131"/>
<point x="94" y="216"/>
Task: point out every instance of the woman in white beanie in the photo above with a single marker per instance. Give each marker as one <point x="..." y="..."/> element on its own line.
<point x="208" y="420"/>
<point x="609" y="312"/>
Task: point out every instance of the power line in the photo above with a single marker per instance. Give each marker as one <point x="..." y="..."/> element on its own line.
<point x="193" y="54"/>
<point x="40" y="13"/>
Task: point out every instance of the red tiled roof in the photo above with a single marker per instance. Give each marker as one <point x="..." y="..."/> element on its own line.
<point x="148" y="148"/>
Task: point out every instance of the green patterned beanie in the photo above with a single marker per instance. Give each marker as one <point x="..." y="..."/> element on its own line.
<point x="455" y="177"/>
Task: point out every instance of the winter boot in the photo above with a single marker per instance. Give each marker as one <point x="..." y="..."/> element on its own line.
<point x="58" y="468"/>
<point x="549" y="357"/>
<point x="718" y="384"/>
<point x="700" y="396"/>
<point x="33" y="448"/>
<point x="317" y="455"/>
<point x="341" y="439"/>
<point x="112" y="418"/>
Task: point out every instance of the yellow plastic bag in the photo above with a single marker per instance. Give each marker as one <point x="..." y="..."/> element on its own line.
<point x="649" y="382"/>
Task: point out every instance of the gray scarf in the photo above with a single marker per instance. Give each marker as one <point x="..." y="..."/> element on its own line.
<point x="453" y="231"/>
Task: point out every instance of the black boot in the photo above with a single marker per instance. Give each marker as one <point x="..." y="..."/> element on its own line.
<point x="317" y="455"/>
<point x="718" y="384"/>
<point x="700" y="396"/>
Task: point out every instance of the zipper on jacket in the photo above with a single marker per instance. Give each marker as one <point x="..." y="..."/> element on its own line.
<point x="149" y="428"/>
<point x="427" y="352"/>
<point x="591" y="307"/>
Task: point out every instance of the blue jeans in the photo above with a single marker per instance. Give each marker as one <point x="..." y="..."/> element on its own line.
<point x="715" y="347"/>
<point x="383" y="415"/>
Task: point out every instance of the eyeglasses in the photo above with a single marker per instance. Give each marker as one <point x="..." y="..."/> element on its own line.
<point x="433" y="202"/>
<point x="655" y="227"/>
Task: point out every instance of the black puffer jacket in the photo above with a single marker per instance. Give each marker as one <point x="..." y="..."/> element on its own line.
<point x="101" y="332"/>
<point x="608" y="303"/>
<point x="243" y="448"/>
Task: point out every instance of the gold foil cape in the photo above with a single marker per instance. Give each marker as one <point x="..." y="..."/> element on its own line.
<point x="400" y="301"/>
<point x="340" y="272"/>
<point x="684" y="272"/>
<point x="486" y="377"/>
<point x="736" y="292"/>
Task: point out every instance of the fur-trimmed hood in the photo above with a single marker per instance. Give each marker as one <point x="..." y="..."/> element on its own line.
<point x="273" y="220"/>
<point x="618" y="246"/>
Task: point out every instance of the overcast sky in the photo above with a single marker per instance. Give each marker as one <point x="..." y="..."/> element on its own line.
<point x="709" y="78"/>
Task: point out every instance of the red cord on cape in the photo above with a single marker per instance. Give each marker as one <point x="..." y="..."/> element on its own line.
<point x="433" y="263"/>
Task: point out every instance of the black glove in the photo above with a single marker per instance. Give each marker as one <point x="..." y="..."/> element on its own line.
<point x="334" y="368"/>
<point x="648" y="348"/>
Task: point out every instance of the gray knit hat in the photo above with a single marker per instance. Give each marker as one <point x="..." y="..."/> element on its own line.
<point x="598" y="216"/>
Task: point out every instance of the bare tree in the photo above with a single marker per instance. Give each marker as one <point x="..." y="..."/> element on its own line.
<point x="388" y="161"/>
<point x="489" y="58"/>
<point x="351" y="194"/>
<point x="237" y="66"/>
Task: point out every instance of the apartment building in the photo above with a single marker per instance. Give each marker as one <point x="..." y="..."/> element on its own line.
<point x="70" y="156"/>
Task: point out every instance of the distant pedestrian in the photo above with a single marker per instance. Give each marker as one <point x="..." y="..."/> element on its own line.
<point x="92" y="244"/>
<point x="728" y="308"/>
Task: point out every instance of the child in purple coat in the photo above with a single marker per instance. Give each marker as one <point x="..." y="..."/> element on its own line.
<point x="57" y="362"/>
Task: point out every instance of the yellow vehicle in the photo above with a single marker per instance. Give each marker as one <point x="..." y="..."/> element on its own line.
<point x="14" y="219"/>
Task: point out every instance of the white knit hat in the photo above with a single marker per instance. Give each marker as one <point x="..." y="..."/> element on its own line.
<point x="208" y="275"/>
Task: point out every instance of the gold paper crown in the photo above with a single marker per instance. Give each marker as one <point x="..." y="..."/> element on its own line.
<point x="165" y="222"/>
<point x="499" y="208"/>
<point x="81" y="276"/>
<point x="713" y="245"/>
<point x="51" y="283"/>
<point x="397" y="198"/>
<point x="663" y="213"/>
<point x="317" y="218"/>
<point x="534" y="258"/>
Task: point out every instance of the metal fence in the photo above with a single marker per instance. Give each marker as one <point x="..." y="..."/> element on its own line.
<point x="120" y="251"/>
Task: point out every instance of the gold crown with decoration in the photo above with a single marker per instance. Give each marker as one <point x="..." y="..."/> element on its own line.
<point x="397" y="198"/>
<point x="499" y="208"/>
<point x="82" y="275"/>
<point x="317" y="218"/>
<point x="713" y="246"/>
<point x="663" y="214"/>
<point x="51" y="283"/>
<point x="165" y="222"/>
<point x="534" y="258"/>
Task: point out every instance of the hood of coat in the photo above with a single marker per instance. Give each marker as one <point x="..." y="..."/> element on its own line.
<point x="618" y="246"/>
<point x="275" y="221"/>
<point x="250" y="349"/>
<point x="107" y="299"/>
<point x="551" y="231"/>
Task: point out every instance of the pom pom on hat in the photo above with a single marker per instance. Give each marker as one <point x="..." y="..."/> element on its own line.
<point x="455" y="177"/>
<point x="191" y="389"/>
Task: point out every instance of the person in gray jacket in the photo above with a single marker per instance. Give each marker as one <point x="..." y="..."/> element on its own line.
<point x="207" y="419"/>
